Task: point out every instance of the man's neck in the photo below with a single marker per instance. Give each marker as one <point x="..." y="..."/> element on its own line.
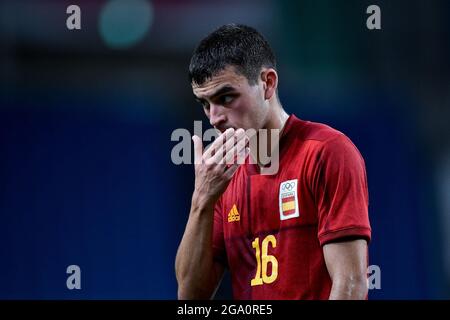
<point x="274" y="126"/>
<point x="277" y="117"/>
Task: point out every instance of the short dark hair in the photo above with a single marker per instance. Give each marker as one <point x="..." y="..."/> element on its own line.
<point x="231" y="45"/>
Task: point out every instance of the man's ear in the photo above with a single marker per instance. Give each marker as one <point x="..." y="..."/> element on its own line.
<point x="269" y="78"/>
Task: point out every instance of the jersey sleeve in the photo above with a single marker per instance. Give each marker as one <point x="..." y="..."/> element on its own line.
<point x="219" y="252"/>
<point x="341" y="192"/>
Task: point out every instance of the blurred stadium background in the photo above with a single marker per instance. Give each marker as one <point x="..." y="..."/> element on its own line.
<point x="86" y="118"/>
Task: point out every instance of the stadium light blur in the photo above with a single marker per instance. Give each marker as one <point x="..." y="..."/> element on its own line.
<point x="123" y="23"/>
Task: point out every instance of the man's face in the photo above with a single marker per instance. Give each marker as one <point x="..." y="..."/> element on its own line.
<point x="229" y="101"/>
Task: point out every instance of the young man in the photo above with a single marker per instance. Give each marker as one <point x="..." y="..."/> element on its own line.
<point x="300" y="233"/>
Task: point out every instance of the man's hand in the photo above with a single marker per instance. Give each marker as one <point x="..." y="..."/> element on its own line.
<point x="215" y="167"/>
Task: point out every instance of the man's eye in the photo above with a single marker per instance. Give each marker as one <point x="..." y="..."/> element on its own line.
<point x="205" y="105"/>
<point x="226" y="99"/>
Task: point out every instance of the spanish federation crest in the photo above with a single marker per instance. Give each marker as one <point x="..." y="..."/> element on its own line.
<point x="288" y="200"/>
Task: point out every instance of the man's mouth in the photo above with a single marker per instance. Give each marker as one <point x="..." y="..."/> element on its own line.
<point x="223" y="129"/>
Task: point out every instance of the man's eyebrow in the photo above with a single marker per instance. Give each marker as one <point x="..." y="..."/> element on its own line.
<point x="221" y="91"/>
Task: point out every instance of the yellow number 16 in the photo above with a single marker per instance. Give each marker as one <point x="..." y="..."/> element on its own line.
<point x="266" y="259"/>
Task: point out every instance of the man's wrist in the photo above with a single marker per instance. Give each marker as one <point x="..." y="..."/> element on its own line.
<point x="200" y="203"/>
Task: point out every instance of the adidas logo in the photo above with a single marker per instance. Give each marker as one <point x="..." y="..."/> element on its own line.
<point x="233" y="215"/>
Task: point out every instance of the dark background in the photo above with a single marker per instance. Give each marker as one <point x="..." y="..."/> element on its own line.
<point x="86" y="117"/>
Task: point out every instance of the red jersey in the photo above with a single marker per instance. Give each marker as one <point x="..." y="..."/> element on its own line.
<point x="269" y="229"/>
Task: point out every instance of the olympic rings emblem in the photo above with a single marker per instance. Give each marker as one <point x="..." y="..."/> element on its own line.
<point x="288" y="186"/>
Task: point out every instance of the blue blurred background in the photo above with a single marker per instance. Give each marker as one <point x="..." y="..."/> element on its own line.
<point x="86" y="117"/>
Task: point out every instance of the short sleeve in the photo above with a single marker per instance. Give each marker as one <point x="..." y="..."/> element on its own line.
<point x="219" y="252"/>
<point x="341" y="192"/>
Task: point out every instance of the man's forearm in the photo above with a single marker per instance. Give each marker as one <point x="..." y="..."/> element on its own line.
<point x="349" y="289"/>
<point x="194" y="262"/>
<point x="346" y="262"/>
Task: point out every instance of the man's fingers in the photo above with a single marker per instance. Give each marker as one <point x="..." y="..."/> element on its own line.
<point x="237" y="138"/>
<point x="198" y="149"/>
<point x="218" y="143"/>
<point x="235" y="155"/>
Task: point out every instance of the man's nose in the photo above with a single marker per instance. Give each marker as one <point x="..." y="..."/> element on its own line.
<point x="216" y="115"/>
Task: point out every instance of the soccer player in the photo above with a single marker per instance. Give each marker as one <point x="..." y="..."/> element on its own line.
<point x="301" y="233"/>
